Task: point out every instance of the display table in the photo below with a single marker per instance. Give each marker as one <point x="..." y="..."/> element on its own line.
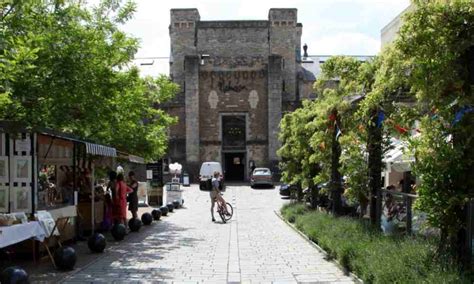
<point x="10" y="235"/>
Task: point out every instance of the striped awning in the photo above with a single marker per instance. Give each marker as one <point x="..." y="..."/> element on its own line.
<point x="100" y="150"/>
<point x="136" y="159"/>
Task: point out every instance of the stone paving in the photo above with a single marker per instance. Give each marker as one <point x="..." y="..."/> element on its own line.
<point x="186" y="247"/>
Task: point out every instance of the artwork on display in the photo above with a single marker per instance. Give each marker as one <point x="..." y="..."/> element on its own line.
<point x="4" y="198"/>
<point x="22" y="169"/>
<point x="47" y="222"/>
<point x="4" y="169"/>
<point x="21" y="199"/>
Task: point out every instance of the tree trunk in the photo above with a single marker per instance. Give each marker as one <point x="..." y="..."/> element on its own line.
<point x="374" y="147"/>
<point x="336" y="188"/>
<point x="299" y="192"/>
<point x="463" y="139"/>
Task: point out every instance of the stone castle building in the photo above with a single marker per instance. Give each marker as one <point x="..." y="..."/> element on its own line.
<point x="237" y="79"/>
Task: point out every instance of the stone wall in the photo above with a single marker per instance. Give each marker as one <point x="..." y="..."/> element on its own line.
<point x="284" y="37"/>
<point x="274" y="105"/>
<point x="192" y="108"/>
<point x="227" y="68"/>
<point x="234" y="39"/>
<point x="232" y="93"/>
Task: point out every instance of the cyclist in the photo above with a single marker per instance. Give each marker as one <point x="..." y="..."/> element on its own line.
<point x="216" y="194"/>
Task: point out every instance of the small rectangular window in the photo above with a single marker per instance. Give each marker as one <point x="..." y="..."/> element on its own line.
<point x="176" y="25"/>
<point x="283" y="23"/>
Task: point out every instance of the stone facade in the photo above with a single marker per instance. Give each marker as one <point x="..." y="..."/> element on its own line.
<point x="236" y="78"/>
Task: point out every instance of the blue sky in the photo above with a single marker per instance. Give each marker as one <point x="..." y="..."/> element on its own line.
<point x="330" y="27"/>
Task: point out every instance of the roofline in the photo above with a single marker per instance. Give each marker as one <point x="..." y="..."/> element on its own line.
<point x="397" y="17"/>
<point x="312" y="55"/>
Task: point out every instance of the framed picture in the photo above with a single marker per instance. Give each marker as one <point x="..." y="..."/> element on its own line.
<point x="22" y="199"/>
<point x="4" y="169"/>
<point x="4" y="198"/>
<point x="22" y="169"/>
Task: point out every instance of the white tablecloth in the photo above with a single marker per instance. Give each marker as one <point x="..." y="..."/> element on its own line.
<point x="10" y="235"/>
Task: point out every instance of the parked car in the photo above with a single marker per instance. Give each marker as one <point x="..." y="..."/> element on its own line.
<point x="206" y="173"/>
<point x="261" y="176"/>
<point x="288" y="190"/>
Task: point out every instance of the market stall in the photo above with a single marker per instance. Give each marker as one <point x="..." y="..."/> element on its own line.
<point x="397" y="161"/>
<point x="45" y="170"/>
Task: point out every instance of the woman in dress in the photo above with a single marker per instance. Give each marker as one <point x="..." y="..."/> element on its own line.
<point x="120" y="200"/>
<point x="133" y="196"/>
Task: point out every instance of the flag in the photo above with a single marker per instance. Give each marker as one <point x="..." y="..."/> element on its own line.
<point x="380" y="118"/>
<point x="322" y="146"/>
<point x="338" y="132"/>
<point x="460" y="113"/>
<point x="400" y="129"/>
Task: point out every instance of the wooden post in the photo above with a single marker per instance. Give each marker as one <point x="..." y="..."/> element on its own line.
<point x="408" y="202"/>
<point x="93" y="197"/>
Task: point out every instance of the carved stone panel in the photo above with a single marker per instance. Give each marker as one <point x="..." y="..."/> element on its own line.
<point x="213" y="99"/>
<point x="253" y="99"/>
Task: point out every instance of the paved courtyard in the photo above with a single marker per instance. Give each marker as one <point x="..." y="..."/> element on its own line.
<point x="255" y="246"/>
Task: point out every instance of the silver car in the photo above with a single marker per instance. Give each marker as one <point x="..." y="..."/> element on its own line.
<point x="261" y="176"/>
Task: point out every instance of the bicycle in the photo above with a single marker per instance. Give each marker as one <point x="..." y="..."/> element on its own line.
<point x="225" y="213"/>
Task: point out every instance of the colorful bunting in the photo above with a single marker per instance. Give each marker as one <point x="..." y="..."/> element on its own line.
<point x="460" y="113"/>
<point x="338" y="132"/>
<point x="322" y="146"/>
<point x="400" y="129"/>
<point x="380" y="118"/>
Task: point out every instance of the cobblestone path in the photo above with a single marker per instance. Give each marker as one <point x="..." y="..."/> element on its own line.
<point x="186" y="247"/>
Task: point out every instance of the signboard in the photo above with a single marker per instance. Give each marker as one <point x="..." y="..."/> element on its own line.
<point x="156" y="172"/>
<point x="22" y="145"/>
<point x="149" y="174"/>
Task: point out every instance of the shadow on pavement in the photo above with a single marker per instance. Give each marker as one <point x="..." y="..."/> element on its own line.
<point x="120" y="258"/>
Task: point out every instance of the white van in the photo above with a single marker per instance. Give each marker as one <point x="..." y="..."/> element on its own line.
<point x="205" y="175"/>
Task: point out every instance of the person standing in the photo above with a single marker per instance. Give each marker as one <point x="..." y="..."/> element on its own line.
<point x="215" y="194"/>
<point x="133" y="196"/>
<point x="120" y="200"/>
<point x="112" y="183"/>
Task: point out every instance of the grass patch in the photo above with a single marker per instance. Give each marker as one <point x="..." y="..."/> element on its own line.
<point x="373" y="257"/>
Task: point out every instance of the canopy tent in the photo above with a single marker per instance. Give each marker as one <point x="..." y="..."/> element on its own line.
<point x="397" y="158"/>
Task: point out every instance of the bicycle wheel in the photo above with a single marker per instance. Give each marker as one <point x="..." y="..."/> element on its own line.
<point x="230" y="211"/>
<point x="221" y="213"/>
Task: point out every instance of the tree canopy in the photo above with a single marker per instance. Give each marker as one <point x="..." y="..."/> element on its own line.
<point x="422" y="83"/>
<point x="67" y="66"/>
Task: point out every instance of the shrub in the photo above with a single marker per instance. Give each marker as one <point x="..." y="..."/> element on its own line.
<point x="372" y="256"/>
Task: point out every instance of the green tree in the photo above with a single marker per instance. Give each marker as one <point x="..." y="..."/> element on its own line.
<point x="308" y="135"/>
<point x="437" y="44"/>
<point x="66" y="66"/>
